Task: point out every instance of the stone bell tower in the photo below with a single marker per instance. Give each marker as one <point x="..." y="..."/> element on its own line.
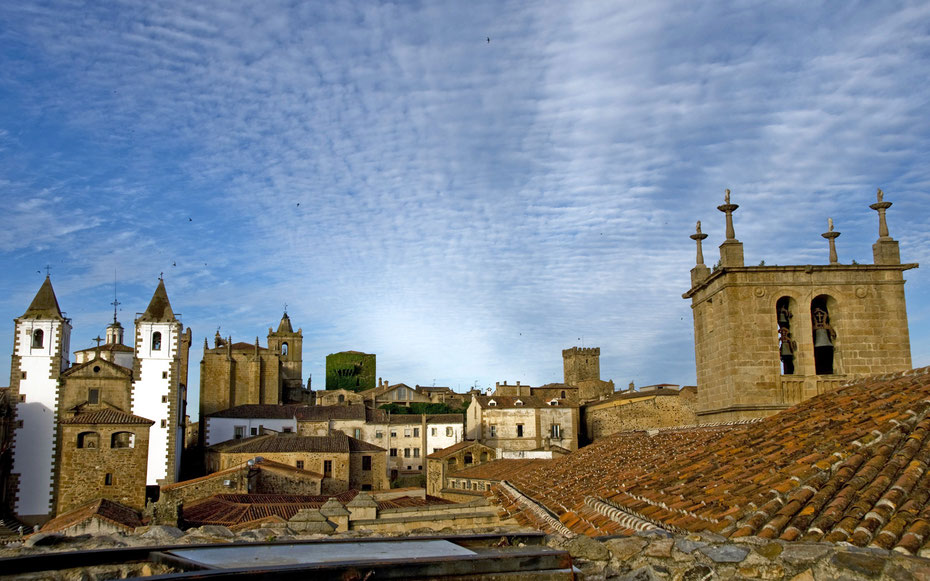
<point x="768" y="337"/>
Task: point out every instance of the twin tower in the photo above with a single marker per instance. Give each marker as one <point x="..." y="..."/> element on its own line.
<point x="103" y="428"/>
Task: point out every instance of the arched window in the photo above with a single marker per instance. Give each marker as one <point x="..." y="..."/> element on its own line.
<point x="787" y="346"/>
<point x="563" y="394"/>
<point x="156" y="341"/>
<point x="468" y="458"/>
<point x="342" y="398"/>
<point x="88" y="440"/>
<point x="123" y="440"/>
<point x="823" y="334"/>
<point x="484" y="456"/>
<point x="451" y="463"/>
<point x="283" y="348"/>
<point x="38" y="338"/>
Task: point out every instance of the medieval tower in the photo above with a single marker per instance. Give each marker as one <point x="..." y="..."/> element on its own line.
<point x="768" y="337"/>
<point x="160" y="383"/>
<point x="40" y="355"/>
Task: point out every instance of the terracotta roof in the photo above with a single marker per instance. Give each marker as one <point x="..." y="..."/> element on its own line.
<point x="237" y="509"/>
<point x="500" y="469"/>
<point x="97" y="361"/>
<point x="107" y="416"/>
<point x="159" y="309"/>
<point x="109" y="347"/>
<point x="448" y="451"/>
<point x="103" y="509"/>
<point x="400" y="419"/>
<point x="376" y="391"/>
<point x="265" y="464"/>
<point x="849" y="465"/>
<point x="528" y="401"/>
<point x="319" y="413"/>
<point x="257" y="410"/>
<point x="243" y="346"/>
<point x="45" y="304"/>
<point x="411" y="501"/>
<point x="337" y="443"/>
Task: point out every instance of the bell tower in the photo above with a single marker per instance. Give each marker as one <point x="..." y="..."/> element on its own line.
<point x="768" y="337"/>
<point x="40" y="355"/>
<point x="288" y="345"/>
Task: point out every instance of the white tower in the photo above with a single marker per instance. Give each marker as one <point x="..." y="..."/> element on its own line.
<point x="40" y="354"/>
<point x="157" y="391"/>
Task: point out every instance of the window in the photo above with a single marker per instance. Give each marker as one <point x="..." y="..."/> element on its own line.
<point x="563" y="394"/>
<point x="393" y="433"/>
<point x="474" y="486"/>
<point x="416" y="452"/>
<point x="379" y="434"/>
<point x="366" y="463"/>
<point x="468" y="458"/>
<point x="493" y="431"/>
<point x="156" y="341"/>
<point x="123" y="440"/>
<point x="24" y="375"/>
<point x="342" y="398"/>
<point x="164" y="399"/>
<point x="238" y="432"/>
<point x="406" y="452"/>
<point x="88" y="440"/>
<point x="164" y="375"/>
<point x="328" y="468"/>
<point x="358" y="433"/>
<point x="556" y="431"/>
<point x="38" y="338"/>
<point x="287" y="430"/>
<point x="484" y="456"/>
<point x="416" y="432"/>
<point x="407" y="433"/>
<point x="253" y="431"/>
<point x="449" y="433"/>
<point x="93" y="395"/>
<point x="393" y="452"/>
<point x="451" y="463"/>
<point x="300" y="464"/>
<point x="108" y="479"/>
<point x="164" y="423"/>
<point x="433" y="432"/>
<point x="824" y="335"/>
<point x="283" y="348"/>
<point x="487" y="486"/>
<point x="519" y="430"/>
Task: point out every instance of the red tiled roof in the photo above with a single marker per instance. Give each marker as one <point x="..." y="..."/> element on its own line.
<point x="338" y="442"/>
<point x="109" y="347"/>
<point x="107" y="416"/>
<point x="237" y="509"/>
<point x="318" y="413"/>
<point x="455" y="448"/>
<point x="256" y="411"/>
<point x="107" y="510"/>
<point x="529" y="401"/>
<point x="850" y="465"/>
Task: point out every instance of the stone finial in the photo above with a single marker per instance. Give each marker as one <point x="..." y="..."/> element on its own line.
<point x="880" y="206"/>
<point x="698" y="237"/>
<point x="830" y="235"/>
<point x="728" y="209"/>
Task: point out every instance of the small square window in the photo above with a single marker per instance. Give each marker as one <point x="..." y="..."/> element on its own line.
<point x="433" y="432"/>
<point x="22" y="397"/>
<point x="108" y="479"/>
<point x="366" y="463"/>
<point x="93" y="396"/>
<point x="416" y="452"/>
<point x="164" y="399"/>
<point x="449" y="431"/>
<point x="287" y="429"/>
<point x="407" y="433"/>
<point x="300" y="464"/>
<point x="24" y="375"/>
<point x="406" y="452"/>
<point x="519" y="430"/>
<point x="393" y="452"/>
<point x="164" y="423"/>
<point x="379" y="434"/>
<point x="253" y="431"/>
<point x="393" y="433"/>
<point x="164" y="375"/>
<point x="416" y="432"/>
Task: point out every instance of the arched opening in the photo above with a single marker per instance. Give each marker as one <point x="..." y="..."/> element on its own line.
<point x="563" y="394"/>
<point x="451" y="463"/>
<point x="342" y="398"/>
<point x="88" y="440"/>
<point x="38" y="339"/>
<point x="484" y="457"/>
<point x="283" y="348"/>
<point x="824" y="335"/>
<point x="468" y="458"/>
<point x="787" y="346"/>
<point x="156" y="341"/>
<point x="123" y="440"/>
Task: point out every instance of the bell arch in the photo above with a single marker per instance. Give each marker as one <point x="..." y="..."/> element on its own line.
<point x="785" y="309"/>
<point x="823" y="334"/>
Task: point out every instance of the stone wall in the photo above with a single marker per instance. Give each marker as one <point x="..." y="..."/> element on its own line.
<point x="338" y="481"/>
<point x="640" y="412"/>
<point x="375" y="478"/>
<point x="83" y="472"/>
<point x="694" y="557"/>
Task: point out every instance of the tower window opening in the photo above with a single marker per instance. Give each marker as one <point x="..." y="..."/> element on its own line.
<point x="88" y="440"/>
<point x="283" y="348"/>
<point x="38" y="339"/>
<point x="156" y="341"/>
<point x="824" y="336"/>
<point x="787" y="346"/>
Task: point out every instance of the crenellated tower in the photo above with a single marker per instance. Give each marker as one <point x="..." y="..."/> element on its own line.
<point x="40" y="355"/>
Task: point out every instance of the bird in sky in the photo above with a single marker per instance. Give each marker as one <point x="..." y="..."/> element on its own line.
<point x="489" y="40"/>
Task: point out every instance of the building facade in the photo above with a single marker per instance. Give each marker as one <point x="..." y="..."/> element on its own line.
<point x="524" y="423"/>
<point x="768" y="337"/>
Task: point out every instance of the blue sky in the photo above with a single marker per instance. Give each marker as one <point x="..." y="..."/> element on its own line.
<point x="464" y="209"/>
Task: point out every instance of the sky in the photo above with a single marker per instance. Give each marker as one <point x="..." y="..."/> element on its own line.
<point x="462" y="188"/>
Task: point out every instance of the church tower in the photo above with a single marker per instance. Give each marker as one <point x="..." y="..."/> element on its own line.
<point x="40" y="355"/>
<point x="288" y="345"/>
<point x="159" y="389"/>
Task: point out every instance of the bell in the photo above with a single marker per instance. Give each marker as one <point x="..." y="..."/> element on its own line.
<point x="822" y="338"/>
<point x="783" y="317"/>
<point x="786" y="349"/>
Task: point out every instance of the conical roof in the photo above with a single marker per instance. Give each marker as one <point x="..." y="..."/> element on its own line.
<point x="45" y="303"/>
<point x="159" y="309"/>
<point x="285" y="325"/>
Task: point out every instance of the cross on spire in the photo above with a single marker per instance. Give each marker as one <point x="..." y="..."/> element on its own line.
<point x="285" y="308"/>
<point x="99" y="340"/>
<point x="115" y="304"/>
<point x="48" y="270"/>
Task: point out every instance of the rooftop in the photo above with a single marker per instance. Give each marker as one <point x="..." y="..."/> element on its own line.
<point x="846" y="466"/>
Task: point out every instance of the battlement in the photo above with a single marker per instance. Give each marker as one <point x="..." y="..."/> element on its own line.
<point x="583" y="351"/>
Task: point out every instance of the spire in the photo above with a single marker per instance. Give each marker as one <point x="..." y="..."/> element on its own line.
<point x="159" y="309"/>
<point x="885" y="250"/>
<point x="45" y="304"/>
<point x="285" y="325"/>
<point x="731" y="251"/>
<point x="830" y="235"/>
